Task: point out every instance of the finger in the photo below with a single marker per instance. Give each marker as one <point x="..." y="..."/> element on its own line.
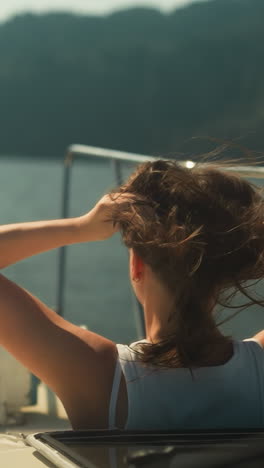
<point x="121" y="197"/>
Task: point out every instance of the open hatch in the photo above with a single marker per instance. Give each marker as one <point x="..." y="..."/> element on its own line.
<point x="119" y="449"/>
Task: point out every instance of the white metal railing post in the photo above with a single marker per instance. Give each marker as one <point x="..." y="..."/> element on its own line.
<point x="63" y="250"/>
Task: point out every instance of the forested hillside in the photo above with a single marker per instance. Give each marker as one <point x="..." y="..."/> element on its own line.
<point x="136" y="80"/>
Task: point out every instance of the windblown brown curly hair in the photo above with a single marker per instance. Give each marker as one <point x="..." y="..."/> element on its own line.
<point x="201" y="231"/>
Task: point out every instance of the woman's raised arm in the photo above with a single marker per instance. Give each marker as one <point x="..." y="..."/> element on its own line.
<point x="76" y="364"/>
<point x="22" y="240"/>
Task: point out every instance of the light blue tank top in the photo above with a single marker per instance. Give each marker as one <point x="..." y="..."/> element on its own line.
<point x="220" y="397"/>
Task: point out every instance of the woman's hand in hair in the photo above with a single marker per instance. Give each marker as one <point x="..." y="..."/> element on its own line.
<point x="97" y="224"/>
<point x="22" y="240"/>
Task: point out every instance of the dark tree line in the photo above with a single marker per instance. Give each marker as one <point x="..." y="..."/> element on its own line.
<point x="136" y="80"/>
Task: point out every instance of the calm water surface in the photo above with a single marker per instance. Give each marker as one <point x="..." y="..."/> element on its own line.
<point x="98" y="289"/>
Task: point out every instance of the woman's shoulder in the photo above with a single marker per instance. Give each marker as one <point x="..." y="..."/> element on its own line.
<point x="243" y="350"/>
<point x="131" y="349"/>
<point x="255" y="339"/>
<point x="258" y="338"/>
<point x="129" y="355"/>
<point x="249" y="350"/>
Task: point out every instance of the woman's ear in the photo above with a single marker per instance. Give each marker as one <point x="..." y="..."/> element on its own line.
<point x="136" y="265"/>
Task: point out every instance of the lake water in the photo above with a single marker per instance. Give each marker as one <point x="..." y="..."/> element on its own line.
<point x="98" y="292"/>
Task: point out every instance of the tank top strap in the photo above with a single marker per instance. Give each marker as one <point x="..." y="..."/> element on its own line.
<point x="126" y="355"/>
<point x="114" y="395"/>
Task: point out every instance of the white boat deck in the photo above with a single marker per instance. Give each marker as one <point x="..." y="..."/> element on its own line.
<point x="47" y="415"/>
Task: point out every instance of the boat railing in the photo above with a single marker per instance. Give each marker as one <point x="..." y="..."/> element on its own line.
<point x="116" y="159"/>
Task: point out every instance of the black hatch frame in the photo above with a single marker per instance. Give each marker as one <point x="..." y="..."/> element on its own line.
<point x="221" y="448"/>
